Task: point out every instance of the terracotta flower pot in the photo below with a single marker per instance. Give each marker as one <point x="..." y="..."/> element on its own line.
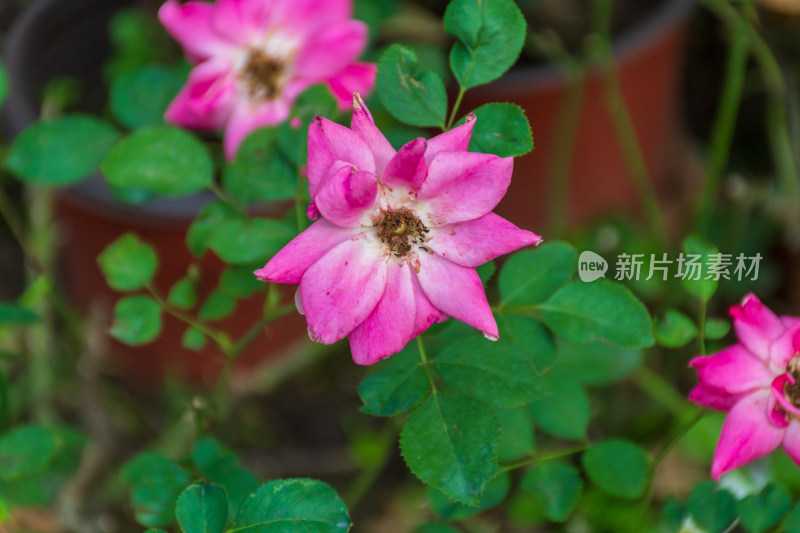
<point x="55" y="38"/>
<point x="649" y="59"/>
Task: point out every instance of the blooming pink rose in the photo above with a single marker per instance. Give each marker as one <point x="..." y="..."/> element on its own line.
<point x="254" y="57"/>
<point x="400" y="236"/>
<point x="755" y="382"/>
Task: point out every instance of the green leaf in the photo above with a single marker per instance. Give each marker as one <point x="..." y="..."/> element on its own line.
<point x="711" y="508"/>
<point x="26" y="450"/>
<point x="760" y="512"/>
<point x="222" y="466"/>
<point x="529" y="337"/>
<point x="498" y="375"/>
<point x="486" y="271"/>
<point x="449" y="442"/>
<point x="516" y="434"/>
<point x="246" y="241"/>
<point x="564" y="412"/>
<point x="154" y="530"/>
<point x="3" y="84"/>
<point x="716" y="328"/>
<point x="15" y="315"/>
<point x="60" y="151"/>
<point x="596" y="363"/>
<point x="399" y="385"/>
<point x="140" y="98"/>
<point x="601" y="310"/>
<point x="183" y="294"/>
<point x="696" y="268"/>
<point x="193" y="339"/>
<point x="137" y="320"/>
<point x="202" y="508"/>
<point x="287" y="505"/>
<point x="155" y="483"/>
<point x="792" y="522"/>
<point x="557" y="486"/>
<point x="412" y="97"/>
<point x="217" y="306"/>
<point x="530" y="277"/>
<point x="674" y="329"/>
<point x="618" y="467"/>
<point x="259" y="171"/>
<point x="128" y="263"/>
<point x="239" y="282"/>
<point x="208" y="220"/>
<point x="490" y="36"/>
<point x="433" y="527"/>
<point x="448" y="510"/>
<point x="501" y="129"/>
<point x="160" y="159"/>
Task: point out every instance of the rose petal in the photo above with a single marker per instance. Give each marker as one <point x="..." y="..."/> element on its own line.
<point x="786" y="346"/>
<point x="391" y="324"/>
<point x="245" y="119"/>
<point x="331" y="49"/>
<point x="356" y="77"/>
<point x="426" y="313"/>
<point x="207" y="98"/>
<point x="342" y="288"/>
<point x="778" y="393"/>
<point x="363" y="124"/>
<point x="734" y="370"/>
<point x="328" y="143"/>
<point x="456" y="291"/>
<point x="474" y="242"/>
<point x="713" y="398"/>
<point x="241" y="21"/>
<point x="407" y="169"/>
<point x="289" y="264"/>
<point x="191" y="25"/>
<point x="454" y="140"/>
<point x="756" y="326"/>
<point x="305" y="17"/>
<point x="464" y="186"/>
<point x="791" y="441"/>
<point x="348" y="197"/>
<point x="746" y="434"/>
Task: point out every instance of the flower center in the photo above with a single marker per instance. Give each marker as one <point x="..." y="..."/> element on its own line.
<point x="792" y="392"/>
<point x="399" y="229"/>
<point x="263" y="75"/>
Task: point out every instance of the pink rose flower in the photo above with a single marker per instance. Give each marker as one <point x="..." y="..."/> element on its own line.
<point x="254" y="57"/>
<point x="400" y="236"/>
<point x="755" y="381"/>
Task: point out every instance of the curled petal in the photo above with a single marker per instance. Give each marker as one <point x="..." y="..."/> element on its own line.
<point x="363" y="124"/>
<point x="474" y="242"/>
<point x="734" y="370"/>
<point x="713" y="398"/>
<point x="391" y="324"/>
<point x="190" y="24"/>
<point x="756" y="326"/>
<point x="456" y="291"/>
<point x="289" y="264"/>
<point x="778" y="392"/>
<point x="331" y="49"/>
<point x="464" y="186"/>
<point x="454" y="140"/>
<point x="245" y="119"/>
<point x="407" y="169"/>
<point x="342" y="288"/>
<point x="348" y="197"/>
<point x="207" y="99"/>
<point x="746" y="434"/>
<point x="785" y="347"/>
<point x="329" y="143"/>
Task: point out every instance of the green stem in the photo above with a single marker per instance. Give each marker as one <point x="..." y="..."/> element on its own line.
<point x="701" y="333"/>
<point x="425" y="364"/>
<point x="556" y="454"/>
<point x="661" y="390"/>
<point x="725" y="122"/>
<point x="367" y="477"/>
<point x="456" y="105"/>
<point x="781" y="146"/>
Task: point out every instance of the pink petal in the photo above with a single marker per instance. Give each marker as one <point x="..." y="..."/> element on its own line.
<point x="190" y="24"/>
<point x="456" y="291"/>
<point x="756" y="326"/>
<point x="356" y="77"/>
<point x="391" y="324"/>
<point x="474" y="242"/>
<point x="464" y="185"/>
<point x="347" y="197"/>
<point x="778" y="393"/>
<point x="246" y="118"/>
<point x="289" y="265"/>
<point x="329" y="142"/>
<point x="207" y="99"/>
<point x="454" y="140"/>
<point x="746" y="434"/>
<point x="363" y="124"/>
<point x="407" y="169"/>
<point x="343" y="287"/>
<point x="785" y="347"/>
<point x="426" y="313"/>
<point x="241" y="21"/>
<point x="331" y="49"/>
<point x="734" y="370"/>
<point x="713" y="398"/>
<point x="791" y="441"/>
<point x="304" y="17"/>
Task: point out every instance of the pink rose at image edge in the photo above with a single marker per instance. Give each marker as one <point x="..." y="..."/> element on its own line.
<point x="400" y="235"/>
<point x="755" y="382"/>
<point x="254" y="57"/>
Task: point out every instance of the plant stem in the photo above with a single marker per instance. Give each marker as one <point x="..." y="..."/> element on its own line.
<point x="661" y="390"/>
<point x="367" y="477"/>
<point x="556" y="454"/>
<point x="701" y="332"/>
<point x="725" y="122"/>
<point x="456" y="105"/>
<point x="425" y="364"/>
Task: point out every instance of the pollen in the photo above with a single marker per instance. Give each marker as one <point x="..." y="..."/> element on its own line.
<point x="792" y="392"/>
<point x="398" y="230"/>
<point x="263" y="75"/>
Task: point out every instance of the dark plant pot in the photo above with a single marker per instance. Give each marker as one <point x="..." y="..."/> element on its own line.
<point x="649" y="61"/>
<point x="54" y="38"/>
